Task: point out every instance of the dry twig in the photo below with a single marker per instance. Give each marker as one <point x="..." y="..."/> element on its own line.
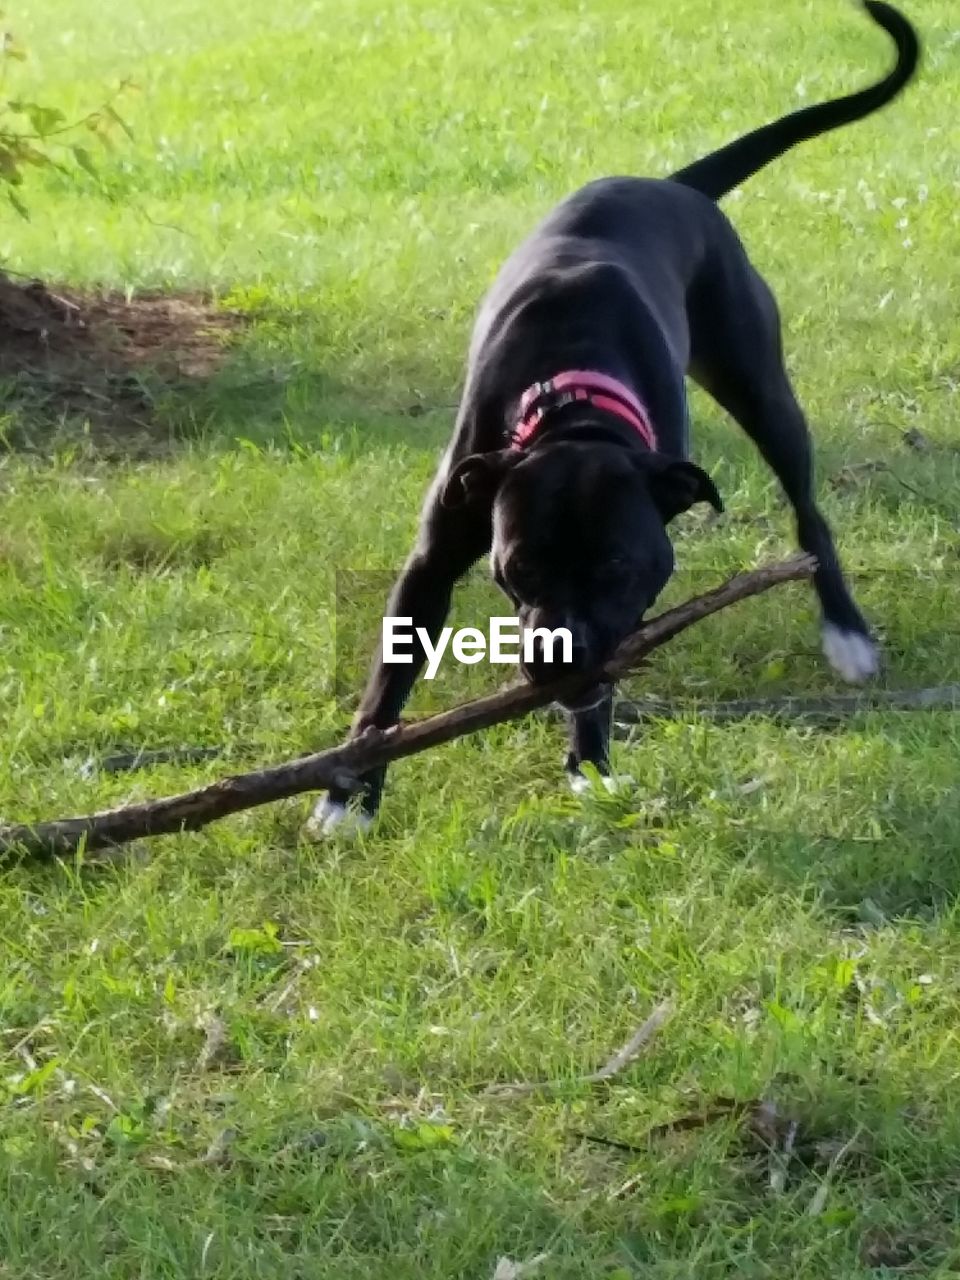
<point x="637" y="1043"/>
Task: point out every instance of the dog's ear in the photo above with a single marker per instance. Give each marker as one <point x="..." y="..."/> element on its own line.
<point x="675" y="485"/>
<point x="475" y="480"/>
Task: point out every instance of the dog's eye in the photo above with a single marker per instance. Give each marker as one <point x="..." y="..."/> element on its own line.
<point x="521" y="575"/>
<point x="618" y="577"/>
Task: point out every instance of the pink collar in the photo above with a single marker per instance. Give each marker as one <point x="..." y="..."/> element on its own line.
<point x="581" y="384"/>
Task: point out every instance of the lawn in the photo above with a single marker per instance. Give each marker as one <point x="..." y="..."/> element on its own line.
<point x="235" y="1055"/>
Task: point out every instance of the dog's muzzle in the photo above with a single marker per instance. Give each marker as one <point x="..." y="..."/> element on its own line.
<point x="547" y="660"/>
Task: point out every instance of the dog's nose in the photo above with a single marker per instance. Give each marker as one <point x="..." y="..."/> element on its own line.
<point x="579" y="656"/>
<point x="535" y="665"/>
<point x="544" y="662"/>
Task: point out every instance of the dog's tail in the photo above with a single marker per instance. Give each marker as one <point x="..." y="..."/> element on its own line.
<point x="725" y="169"/>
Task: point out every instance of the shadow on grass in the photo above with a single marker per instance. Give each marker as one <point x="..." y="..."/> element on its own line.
<point x="137" y="376"/>
<point x="894" y="857"/>
<point x="134" y="377"/>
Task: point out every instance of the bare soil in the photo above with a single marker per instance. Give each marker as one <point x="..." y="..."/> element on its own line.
<point x="102" y="359"/>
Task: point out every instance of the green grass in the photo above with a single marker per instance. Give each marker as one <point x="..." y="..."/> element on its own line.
<point x="351" y="174"/>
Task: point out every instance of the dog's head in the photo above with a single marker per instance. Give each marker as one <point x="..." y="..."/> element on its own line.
<point x="580" y="537"/>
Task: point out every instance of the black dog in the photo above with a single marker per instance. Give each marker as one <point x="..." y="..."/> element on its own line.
<point x="569" y="457"/>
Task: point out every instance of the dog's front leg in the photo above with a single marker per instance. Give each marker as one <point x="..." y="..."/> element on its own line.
<point x="590" y="726"/>
<point x="422" y="593"/>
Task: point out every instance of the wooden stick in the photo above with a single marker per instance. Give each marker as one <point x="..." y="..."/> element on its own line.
<point x="341" y="766"/>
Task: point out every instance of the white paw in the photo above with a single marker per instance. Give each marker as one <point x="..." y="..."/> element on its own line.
<point x="331" y="816"/>
<point x="616" y="783"/>
<point x="580" y="784"/>
<point x="852" y="655"/>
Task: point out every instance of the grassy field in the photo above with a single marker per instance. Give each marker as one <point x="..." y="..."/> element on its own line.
<point x="236" y="1055"/>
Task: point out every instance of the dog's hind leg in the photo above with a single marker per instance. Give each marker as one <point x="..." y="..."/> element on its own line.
<point x="738" y="359"/>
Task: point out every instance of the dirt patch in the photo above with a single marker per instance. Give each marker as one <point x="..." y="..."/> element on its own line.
<point x="102" y="361"/>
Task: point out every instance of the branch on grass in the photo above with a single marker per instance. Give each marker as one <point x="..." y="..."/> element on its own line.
<point x="625" y="1055"/>
<point x="341" y="766"/>
<point x="626" y="713"/>
<point x="131" y="761"/>
<point x="831" y="707"/>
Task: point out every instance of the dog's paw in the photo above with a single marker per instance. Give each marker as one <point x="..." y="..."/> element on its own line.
<point x="330" y="817"/>
<point x="580" y="784"/>
<point x="852" y="655"/>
